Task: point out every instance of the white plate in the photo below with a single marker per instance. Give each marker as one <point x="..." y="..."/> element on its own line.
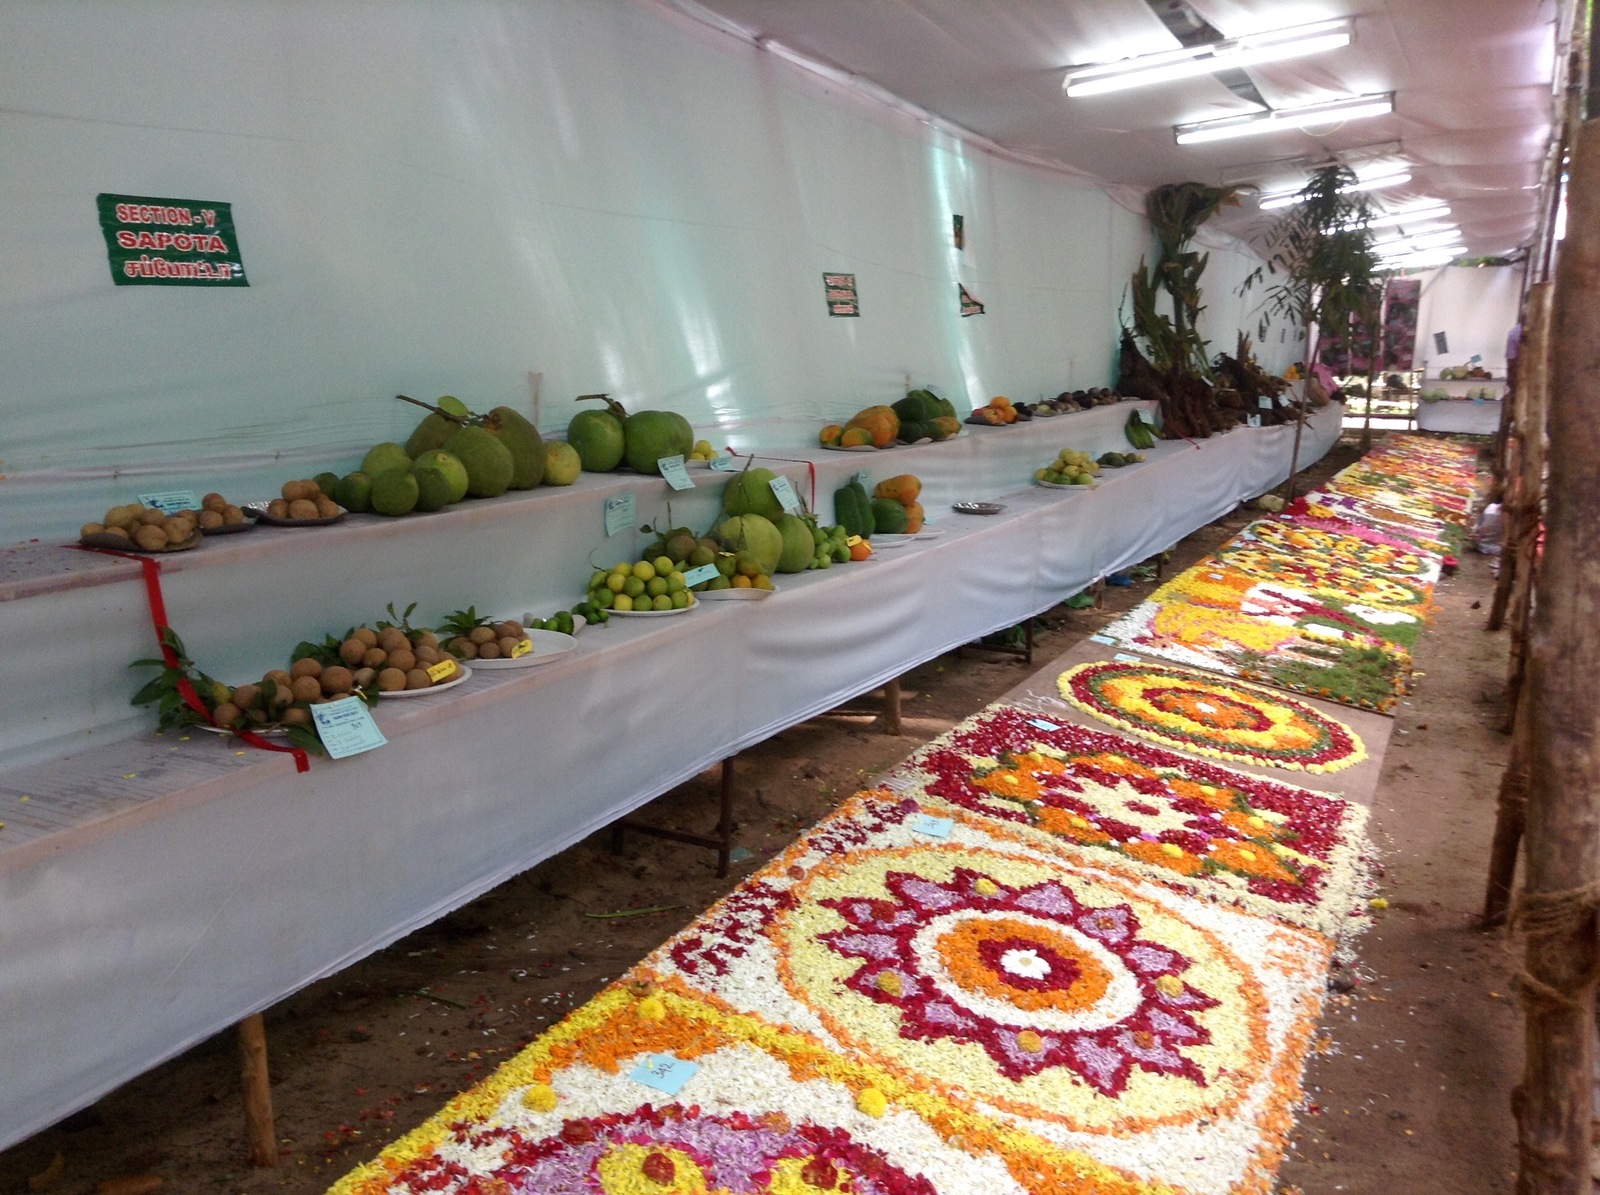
<point x="655" y="613"/>
<point x="578" y="622"/>
<point x="890" y="541"/>
<point x="547" y="645"/>
<point x="1052" y="485"/>
<point x="732" y="595"/>
<point x="266" y="732"/>
<point x="929" y="531"/>
<point x="431" y="689"/>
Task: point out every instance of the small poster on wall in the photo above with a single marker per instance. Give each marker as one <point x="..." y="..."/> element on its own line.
<point x="959" y="231"/>
<point x="969" y="305"/>
<point x="170" y="242"/>
<point x="840" y="291"/>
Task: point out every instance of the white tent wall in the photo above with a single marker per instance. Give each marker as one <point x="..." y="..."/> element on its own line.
<point x="1475" y="307"/>
<point x="448" y="197"/>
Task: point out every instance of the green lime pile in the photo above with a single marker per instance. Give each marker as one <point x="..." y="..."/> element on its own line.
<point x="832" y="546"/>
<point x="639" y="586"/>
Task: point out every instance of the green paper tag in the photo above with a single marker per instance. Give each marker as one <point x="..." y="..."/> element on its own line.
<point x="706" y="572"/>
<point x="170" y="502"/>
<point x="346" y="727"/>
<point x="673" y="470"/>
<point x="783" y="491"/>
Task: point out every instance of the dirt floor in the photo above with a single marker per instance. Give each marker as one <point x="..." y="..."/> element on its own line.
<point x="1408" y="1093"/>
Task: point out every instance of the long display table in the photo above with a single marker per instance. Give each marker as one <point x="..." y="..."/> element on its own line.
<point x="159" y="888"/>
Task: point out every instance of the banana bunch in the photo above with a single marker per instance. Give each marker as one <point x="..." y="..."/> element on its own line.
<point x="1140" y="434"/>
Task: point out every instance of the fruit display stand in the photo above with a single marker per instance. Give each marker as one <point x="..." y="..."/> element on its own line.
<point x="1460" y="415"/>
<point x="161" y="888"/>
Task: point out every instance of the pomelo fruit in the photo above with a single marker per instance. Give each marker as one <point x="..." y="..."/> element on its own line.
<point x="385" y="458"/>
<point x="750" y="492"/>
<point x="756" y="537"/>
<point x="651" y="435"/>
<point x="354" y="492"/>
<point x="395" y="493"/>
<point x="561" y="463"/>
<point x="798" y="545"/>
<point x="450" y="467"/>
<point x="597" y="438"/>
<point x="524" y="443"/>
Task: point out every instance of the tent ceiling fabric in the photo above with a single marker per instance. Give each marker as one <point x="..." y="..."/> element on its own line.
<point x="1473" y="83"/>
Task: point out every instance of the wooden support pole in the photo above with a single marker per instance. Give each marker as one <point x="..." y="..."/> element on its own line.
<point x="1511" y="815"/>
<point x="261" y="1138"/>
<point x="1556" y="908"/>
<point x="1524" y="488"/>
<point x="891" y="707"/>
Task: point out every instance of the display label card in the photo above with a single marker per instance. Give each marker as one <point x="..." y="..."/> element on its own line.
<point x="664" y="1072"/>
<point x="896" y="784"/>
<point x="524" y="647"/>
<point x="170" y="242"/>
<point x="1123" y="657"/>
<point x="724" y="464"/>
<point x="346" y="727"/>
<point x="619" y="512"/>
<point x="676" y="474"/>
<point x="969" y="305"/>
<point x="933" y="827"/>
<point x="1042" y="724"/>
<point x="442" y="670"/>
<point x="861" y="479"/>
<point x="840" y="292"/>
<point x="705" y="572"/>
<point x="1253" y="420"/>
<point x="852" y="541"/>
<point x="170" y="502"/>
<point x="783" y="491"/>
<point x="1265" y="402"/>
<point x="1101" y="639"/>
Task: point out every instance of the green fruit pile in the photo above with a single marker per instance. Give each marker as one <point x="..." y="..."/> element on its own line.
<point x="832" y="546"/>
<point x="1071" y="467"/>
<point x="606" y="439"/>
<point x="1141" y="434"/>
<point x="640" y="585"/>
<point x="1118" y="460"/>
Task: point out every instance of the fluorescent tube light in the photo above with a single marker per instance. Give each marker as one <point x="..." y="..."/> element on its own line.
<point x="1424" y="258"/>
<point x="1147" y="69"/>
<point x="1421" y="214"/>
<point x="1355" y="108"/>
<point x="1422" y="239"/>
<point x="1389" y="178"/>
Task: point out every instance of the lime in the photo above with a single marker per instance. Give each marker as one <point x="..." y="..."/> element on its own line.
<point x="615" y="582"/>
<point x="680" y="599"/>
<point x="644" y="570"/>
<point x="597" y="579"/>
<point x="656" y="586"/>
<point x="662" y="602"/>
<point x="605" y="599"/>
<point x="625" y="567"/>
<point x="663" y="565"/>
<point x="675" y="583"/>
<point x="633" y="587"/>
<point x="622" y="602"/>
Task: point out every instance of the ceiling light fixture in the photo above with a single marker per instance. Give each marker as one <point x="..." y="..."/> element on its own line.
<point x="1430" y="209"/>
<point x="1371" y="182"/>
<point x="1356" y="107"/>
<point x="1424" y="258"/>
<point x="1147" y="69"/>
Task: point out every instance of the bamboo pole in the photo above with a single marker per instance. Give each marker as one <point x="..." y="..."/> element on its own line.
<point x="1557" y="905"/>
<point x="260" y="1136"/>
<point x="1524" y="488"/>
<point x="1300" y="418"/>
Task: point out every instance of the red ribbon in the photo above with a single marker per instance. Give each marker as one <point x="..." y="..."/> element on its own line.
<point x="158" y="616"/>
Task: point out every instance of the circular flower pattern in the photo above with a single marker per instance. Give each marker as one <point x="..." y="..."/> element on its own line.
<point x="1024" y="986"/>
<point x="1351" y="581"/>
<point x="1201" y="713"/>
<point x="672" y="1150"/>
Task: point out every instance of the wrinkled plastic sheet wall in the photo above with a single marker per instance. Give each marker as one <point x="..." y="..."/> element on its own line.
<point x="446" y="197"/>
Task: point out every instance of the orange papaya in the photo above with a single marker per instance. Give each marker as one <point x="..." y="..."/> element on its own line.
<point x="831" y="435"/>
<point x="903" y="488"/>
<point x="855" y="437"/>
<point x="914" y="517"/>
<point x="881" y="422"/>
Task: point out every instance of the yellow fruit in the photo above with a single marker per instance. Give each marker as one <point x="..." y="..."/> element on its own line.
<point x="615" y="582"/>
<point x="740" y="581"/>
<point x="623" y="603"/>
<point x="762" y="582"/>
<point x="644" y="570"/>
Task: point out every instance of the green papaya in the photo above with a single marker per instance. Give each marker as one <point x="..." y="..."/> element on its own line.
<point x="910" y="433"/>
<point x="889" y="517"/>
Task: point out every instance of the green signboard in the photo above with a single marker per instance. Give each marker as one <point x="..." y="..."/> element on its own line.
<point x="170" y="242"/>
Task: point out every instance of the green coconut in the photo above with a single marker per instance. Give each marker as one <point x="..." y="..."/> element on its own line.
<point x="597" y="437"/>
<point x="434" y="430"/>
<point x="448" y="467"/>
<point x="651" y="435"/>
<point x="488" y="461"/>
<point x="750" y="492"/>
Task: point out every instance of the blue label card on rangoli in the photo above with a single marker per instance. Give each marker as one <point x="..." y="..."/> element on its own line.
<point x="676" y="474"/>
<point x="933" y="827"/>
<point x="664" y="1072"/>
<point x="783" y="491"/>
<point x="1123" y="657"/>
<point x="706" y="572"/>
<point x="170" y="502"/>
<point x="1042" y="724"/>
<point x="724" y="464"/>
<point x="346" y="727"/>
<point x="619" y="512"/>
<point x="1107" y="639"/>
